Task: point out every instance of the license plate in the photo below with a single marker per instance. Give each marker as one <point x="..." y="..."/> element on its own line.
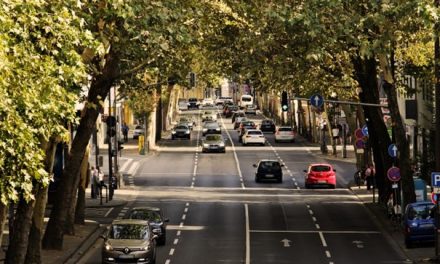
<point x="126" y="256"/>
<point x="269" y="175"/>
<point x="214" y="147"/>
<point x="322" y="181"/>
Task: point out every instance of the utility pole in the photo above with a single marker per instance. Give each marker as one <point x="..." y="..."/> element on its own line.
<point x="109" y="141"/>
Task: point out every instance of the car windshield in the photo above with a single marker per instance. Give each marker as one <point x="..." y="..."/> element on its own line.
<point x="181" y="127"/>
<point x="320" y="168"/>
<point x="211" y="125"/>
<point x="272" y="165"/>
<point x="246" y="99"/>
<point x="423" y="211"/>
<point x="129" y="231"/>
<point x="145" y="215"/>
<point x="213" y="137"/>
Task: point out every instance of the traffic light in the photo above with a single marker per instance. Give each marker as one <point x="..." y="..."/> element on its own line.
<point x="284" y="101"/>
<point x="192" y="79"/>
<point x="111" y="126"/>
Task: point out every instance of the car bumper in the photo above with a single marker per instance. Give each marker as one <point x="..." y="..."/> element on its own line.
<point x="284" y="138"/>
<point x="269" y="176"/>
<point x="112" y="257"/>
<point x="253" y="141"/>
<point x="321" y="181"/>
<point x="213" y="149"/>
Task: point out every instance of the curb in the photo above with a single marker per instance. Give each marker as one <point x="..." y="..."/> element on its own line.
<point x="87" y="243"/>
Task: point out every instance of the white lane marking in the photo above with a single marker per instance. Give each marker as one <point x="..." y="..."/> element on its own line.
<point x="314" y="219"/>
<point x="178" y="233"/>
<point x="167" y="261"/>
<point x="248" y="242"/>
<point x="237" y="162"/>
<point x="181" y="224"/>
<point x="176" y="241"/>
<point x="187" y="204"/>
<point x="315" y="231"/>
<point x="171" y="251"/>
<point x="317" y="226"/>
<point x="183" y="216"/>
<point x="186" y="210"/>
<point x="324" y="244"/>
<point x="328" y="254"/>
<point x="125" y="165"/>
<point x="133" y="168"/>
<point x="310" y="212"/>
<point x="108" y="212"/>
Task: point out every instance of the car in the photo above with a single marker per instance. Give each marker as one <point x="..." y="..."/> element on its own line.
<point x="222" y="99"/>
<point x="320" y="174"/>
<point x="269" y="170"/>
<point x="207" y="102"/>
<point x="229" y="110"/>
<point x="267" y="125"/>
<point x="253" y="136"/>
<point x="419" y="223"/>
<point x="238" y="121"/>
<point x="138" y="130"/>
<point x="211" y="128"/>
<point x="213" y="143"/>
<point x="154" y="217"/>
<point x="236" y="114"/>
<point x="285" y="134"/>
<point x="129" y="239"/>
<point x="250" y="110"/>
<point x="181" y="131"/>
<point x="193" y="103"/>
<point x="187" y="121"/>
<point x="209" y="115"/>
<point x="183" y="105"/>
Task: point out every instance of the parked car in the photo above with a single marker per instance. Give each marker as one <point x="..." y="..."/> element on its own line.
<point x="419" y="223"/>
<point x="129" y="239"/>
<point x="320" y="174"/>
<point x="211" y="128"/>
<point x="267" y="125"/>
<point x="213" y="143"/>
<point x="285" y="134"/>
<point x="138" y="130"/>
<point x="193" y="103"/>
<point x="181" y="131"/>
<point x="250" y="110"/>
<point x="155" y="218"/>
<point x="209" y="115"/>
<point x="253" y="136"/>
<point x="268" y="170"/>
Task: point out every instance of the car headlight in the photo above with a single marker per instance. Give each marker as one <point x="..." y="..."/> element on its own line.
<point x="205" y="129"/>
<point x="108" y="247"/>
<point x="222" y="144"/>
<point x="148" y="247"/>
<point x="173" y="132"/>
<point x="187" y="132"/>
<point x="217" y="129"/>
<point x="205" y="145"/>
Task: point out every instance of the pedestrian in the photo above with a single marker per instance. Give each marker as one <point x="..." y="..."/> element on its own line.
<point x="101" y="179"/>
<point x="125" y="131"/>
<point x="95" y="183"/>
<point x="369" y="176"/>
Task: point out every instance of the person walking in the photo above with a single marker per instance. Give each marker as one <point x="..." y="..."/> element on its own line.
<point x="369" y="176"/>
<point x="125" y="131"/>
<point x="95" y="183"/>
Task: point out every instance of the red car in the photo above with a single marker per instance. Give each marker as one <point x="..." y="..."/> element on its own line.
<point x="320" y="174"/>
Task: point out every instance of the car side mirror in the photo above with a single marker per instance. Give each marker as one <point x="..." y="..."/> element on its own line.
<point x="304" y="170"/>
<point x="254" y="165"/>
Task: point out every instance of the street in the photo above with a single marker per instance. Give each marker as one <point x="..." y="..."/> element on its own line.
<point x="219" y="214"/>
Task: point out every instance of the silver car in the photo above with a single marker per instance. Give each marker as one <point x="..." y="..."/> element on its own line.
<point x="129" y="240"/>
<point x="181" y="131"/>
<point x="213" y="143"/>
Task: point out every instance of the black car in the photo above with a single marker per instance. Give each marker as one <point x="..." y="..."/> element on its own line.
<point x="267" y="125"/>
<point x="269" y="170"/>
<point x="129" y="240"/>
<point x="181" y="131"/>
<point x="193" y="103"/>
<point x="154" y="216"/>
<point x="211" y="128"/>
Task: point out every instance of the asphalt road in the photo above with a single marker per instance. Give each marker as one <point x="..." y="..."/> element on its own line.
<point x="218" y="214"/>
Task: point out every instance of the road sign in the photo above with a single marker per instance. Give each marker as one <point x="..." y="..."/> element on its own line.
<point x="435" y="179"/>
<point x="358" y="133"/>
<point x="360" y="144"/>
<point x="286" y="242"/>
<point x="365" y="130"/>
<point x="434" y="197"/>
<point x="316" y="100"/>
<point x="393" y="174"/>
<point x="392" y="150"/>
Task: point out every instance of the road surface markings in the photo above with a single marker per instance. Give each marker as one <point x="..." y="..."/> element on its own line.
<point x="125" y="165"/>
<point x="324" y="243"/>
<point x="167" y="261"/>
<point x="176" y="241"/>
<point x="317" y="231"/>
<point x="109" y="211"/>
<point x="171" y="251"/>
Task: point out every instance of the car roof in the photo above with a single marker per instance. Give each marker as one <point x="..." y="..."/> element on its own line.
<point x="271" y="160"/>
<point x="320" y="164"/>
<point x="129" y="222"/>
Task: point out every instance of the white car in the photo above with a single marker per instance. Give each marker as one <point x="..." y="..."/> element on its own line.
<point x="208" y="102"/>
<point x="183" y="105"/>
<point x="209" y="116"/>
<point x="138" y="130"/>
<point x="285" y="133"/>
<point x="253" y="136"/>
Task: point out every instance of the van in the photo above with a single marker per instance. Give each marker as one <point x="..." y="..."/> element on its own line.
<point x="246" y="100"/>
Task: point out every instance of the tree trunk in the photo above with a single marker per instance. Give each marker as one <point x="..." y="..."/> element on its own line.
<point x="81" y="200"/>
<point x="379" y="140"/>
<point x="100" y="87"/>
<point x="33" y="254"/>
<point x="3" y="214"/>
<point x="17" y="249"/>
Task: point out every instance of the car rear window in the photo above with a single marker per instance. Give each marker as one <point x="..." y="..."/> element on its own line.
<point x="254" y="133"/>
<point x="320" y="168"/>
<point x="266" y="122"/>
<point x="270" y="165"/>
<point x="421" y="212"/>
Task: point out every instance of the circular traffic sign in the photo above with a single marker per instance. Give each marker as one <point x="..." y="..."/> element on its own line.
<point x="365" y="130"/>
<point x="316" y="100"/>
<point x="434" y="197"/>
<point x="392" y="150"/>
<point x="360" y="143"/>
<point x="393" y="174"/>
<point x="358" y="133"/>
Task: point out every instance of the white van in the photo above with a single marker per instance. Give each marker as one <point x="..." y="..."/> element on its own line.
<point x="246" y="100"/>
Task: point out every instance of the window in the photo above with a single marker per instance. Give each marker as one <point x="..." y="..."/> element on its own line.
<point x="129" y="231"/>
<point x="320" y="168"/>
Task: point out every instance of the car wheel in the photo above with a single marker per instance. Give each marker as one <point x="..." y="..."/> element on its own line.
<point x="408" y="243"/>
<point x="257" y="180"/>
<point x="307" y="186"/>
<point x="162" y="241"/>
<point x="332" y="186"/>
